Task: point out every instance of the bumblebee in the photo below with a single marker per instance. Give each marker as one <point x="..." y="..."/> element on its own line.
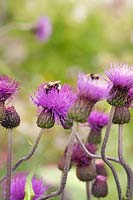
<point x="49" y="86"/>
<point x="93" y="76"/>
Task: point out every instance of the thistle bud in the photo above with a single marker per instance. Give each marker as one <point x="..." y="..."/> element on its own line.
<point x="61" y="163"/>
<point x="2" y="111"/>
<point x="11" y="118"/>
<point x="66" y="122"/>
<point x="121" y="115"/>
<point x="100" y="168"/>
<point x="86" y="173"/>
<point x="46" y="119"/>
<point x="80" y="110"/>
<point x="94" y="137"/>
<point x="100" y="187"/>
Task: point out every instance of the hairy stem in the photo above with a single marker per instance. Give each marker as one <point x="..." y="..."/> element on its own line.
<point x="66" y="169"/>
<point x="124" y="164"/>
<point x="88" y="190"/>
<point x="91" y="155"/>
<point x="9" y="162"/>
<point x="103" y="149"/>
<point x="28" y="156"/>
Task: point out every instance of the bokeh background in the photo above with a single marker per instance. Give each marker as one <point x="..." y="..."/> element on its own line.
<point x="87" y="35"/>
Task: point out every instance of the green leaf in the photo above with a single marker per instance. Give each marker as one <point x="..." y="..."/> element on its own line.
<point x="29" y="193"/>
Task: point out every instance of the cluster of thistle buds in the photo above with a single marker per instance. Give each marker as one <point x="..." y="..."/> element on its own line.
<point x="71" y="108"/>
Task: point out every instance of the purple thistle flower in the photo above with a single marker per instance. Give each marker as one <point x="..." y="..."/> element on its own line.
<point x="18" y="185"/>
<point x="97" y="120"/>
<point x="43" y="28"/>
<point x="39" y="187"/>
<point x="8" y="87"/>
<point x="79" y="157"/>
<point x="92" y="89"/>
<point x="55" y="103"/>
<point x="121" y="77"/>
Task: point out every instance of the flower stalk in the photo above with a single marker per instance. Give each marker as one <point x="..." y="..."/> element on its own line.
<point x="66" y="167"/>
<point x="103" y="151"/>
<point x="9" y="162"/>
<point x="124" y="164"/>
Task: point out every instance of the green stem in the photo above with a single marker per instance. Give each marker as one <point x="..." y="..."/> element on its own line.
<point x="124" y="164"/>
<point x="9" y="161"/>
<point x="88" y="190"/>
<point x="28" y="156"/>
<point x="103" y="150"/>
<point x="66" y="168"/>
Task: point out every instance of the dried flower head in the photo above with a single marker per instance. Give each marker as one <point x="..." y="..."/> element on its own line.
<point x="121" y="77"/>
<point x="43" y="28"/>
<point x="90" y="90"/>
<point x="8" y="87"/>
<point x="54" y="101"/>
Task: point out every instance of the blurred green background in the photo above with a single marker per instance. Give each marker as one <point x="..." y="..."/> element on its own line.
<point x="87" y="36"/>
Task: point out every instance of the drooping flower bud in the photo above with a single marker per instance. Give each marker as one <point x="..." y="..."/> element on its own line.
<point x="11" y="119"/>
<point x="100" y="187"/>
<point x="121" y="115"/>
<point x="86" y="173"/>
<point x="61" y="163"/>
<point x="46" y="119"/>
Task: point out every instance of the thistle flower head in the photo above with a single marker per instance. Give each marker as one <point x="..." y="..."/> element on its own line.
<point x="79" y="157"/>
<point x="121" y="77"/>
<point x="43" y="28"/>
<point x="92" y="89"/>
<point x="97" y="120"/>
<point x="8" y="87"/>
<point x="18" y="187"/>
<point x="56" y="102"/>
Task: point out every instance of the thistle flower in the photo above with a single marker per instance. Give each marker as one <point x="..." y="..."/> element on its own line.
<point x="97" y="120"/>
<point x="43" y="28"/>
<point x="100" y="187"/>
<point x="121" y="77"/>
<point x="18" y="187"/>
<point x="8" y="87"/>
<point x="54" y="103"/>
<point x="79" y="157"/>
<point x="90" y="90"/>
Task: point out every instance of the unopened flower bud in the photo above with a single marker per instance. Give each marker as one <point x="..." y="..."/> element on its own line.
<point x="86" y="173"/>
<point x="81" y="110"/>
<point x="100" y="187"/>
<point x="46" y="119"/>
<point x="61" y="163"/>
<point x="2" y="111"/>
<point x="100" y="168"/>
<point x="11" y="118"/>
<point x="66" y="122"/>
<point x="121" y="115"/>
<point x="94" y="137"/>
